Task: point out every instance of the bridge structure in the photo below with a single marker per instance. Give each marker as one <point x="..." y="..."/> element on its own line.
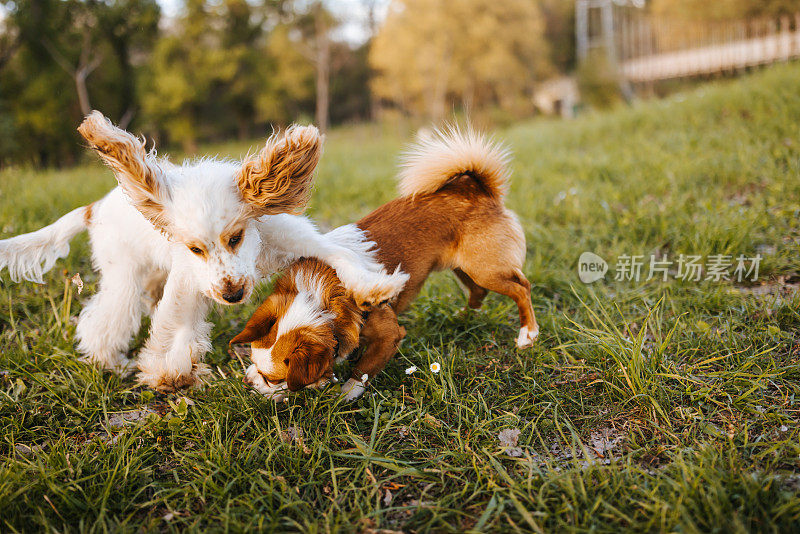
<point x="644" y="49"/>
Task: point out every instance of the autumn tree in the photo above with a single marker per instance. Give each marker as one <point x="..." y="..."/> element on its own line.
<point x="431" y="54"/>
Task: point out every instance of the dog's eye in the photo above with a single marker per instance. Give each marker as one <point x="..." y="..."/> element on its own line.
<point x="196" y="250"/>
<point x="233" y="241"/>
<point x="286" y="361"/>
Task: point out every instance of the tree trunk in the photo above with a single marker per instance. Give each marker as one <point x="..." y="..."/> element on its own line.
<point x="323" y="67"/>
<point x="83" y="93"/>
<point x="127" y="96"/>
<point x="86" y="65"/>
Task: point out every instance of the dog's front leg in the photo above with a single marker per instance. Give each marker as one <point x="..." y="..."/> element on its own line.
<point x="346" y="249"/>
<point x="381" y="335"/>
<point x="179" y="336"/>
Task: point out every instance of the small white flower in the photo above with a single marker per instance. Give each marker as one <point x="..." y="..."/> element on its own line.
<point x="411" y="369"/>
<point x="784" y="428"/>
<point x="364" y="377"/>
<point x="435" y="367"/>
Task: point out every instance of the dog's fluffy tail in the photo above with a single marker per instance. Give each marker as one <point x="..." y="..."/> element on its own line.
<point x="31" y="255"/>
<point x="442" y="155"/>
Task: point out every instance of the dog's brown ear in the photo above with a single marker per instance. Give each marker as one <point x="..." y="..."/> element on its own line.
<point x="136" y="171"/>
<point x="279" y="178"/>
<point x="258" y="326"/>
<point x="308" y="363"/>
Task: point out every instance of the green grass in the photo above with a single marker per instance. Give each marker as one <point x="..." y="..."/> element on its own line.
<point x="650" y="406"/>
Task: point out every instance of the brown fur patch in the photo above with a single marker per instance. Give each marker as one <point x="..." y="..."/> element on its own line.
<point x="279" y="178"/>
<point x="87" y="214"/>
<point x="310" y="354"/>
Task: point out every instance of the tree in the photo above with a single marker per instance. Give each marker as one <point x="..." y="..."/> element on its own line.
<point x="559" y="17"/>
<point x="288" y="88"/>
<point x="50" y="46"/>
<point x="470" y="52"/>
<point x="227" y="67"/>
<point x="185" y="72"/>
<point x="315" y="26"/>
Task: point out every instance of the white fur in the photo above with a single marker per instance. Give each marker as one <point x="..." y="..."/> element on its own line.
<point x="28" y="256"/>
<point x="357" y="267"/>
<point x="200" y="200"/>
<point x="262" y="359"/>
<point x="526" y="337"/>
<point x="305" y="310"/>
<point x="442" y="154"/>
<point x="352" y="389"/>
<point x="277" y="393"/>
<point x="346" y="249"/>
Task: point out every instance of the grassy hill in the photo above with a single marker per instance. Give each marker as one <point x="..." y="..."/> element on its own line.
<point x="646" y="406"/>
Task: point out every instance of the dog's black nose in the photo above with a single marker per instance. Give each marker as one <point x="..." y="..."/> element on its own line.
<point x="234" y="297"/>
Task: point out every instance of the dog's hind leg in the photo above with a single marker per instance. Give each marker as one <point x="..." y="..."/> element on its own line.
<point x="110" y="318"/>
<point x="492" y="256"/>
<point x="476" y="293"/>
<point x="516" y="286"/>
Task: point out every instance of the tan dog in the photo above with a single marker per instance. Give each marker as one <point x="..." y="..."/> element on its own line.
<point x="450" y="216"/>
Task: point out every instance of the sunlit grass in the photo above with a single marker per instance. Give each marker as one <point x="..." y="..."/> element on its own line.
<point x="649" y="406"/>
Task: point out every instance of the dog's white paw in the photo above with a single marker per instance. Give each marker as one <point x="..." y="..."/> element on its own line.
<point x="527" y="337"/>
<point x="124" y="366"/>
<point x="353" y="389"/>
<point x="158" y="373"/>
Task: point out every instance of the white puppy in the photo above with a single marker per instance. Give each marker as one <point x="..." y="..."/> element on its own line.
<point x="208" y="230"/>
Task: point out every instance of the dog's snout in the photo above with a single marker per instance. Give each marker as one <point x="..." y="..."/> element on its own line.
<point x="234" y="297"/>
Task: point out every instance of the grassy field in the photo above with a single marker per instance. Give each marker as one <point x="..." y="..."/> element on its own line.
<point x="646" y="406"/>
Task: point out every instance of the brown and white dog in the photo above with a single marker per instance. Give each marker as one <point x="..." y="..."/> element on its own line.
<point x="450" y="215"/>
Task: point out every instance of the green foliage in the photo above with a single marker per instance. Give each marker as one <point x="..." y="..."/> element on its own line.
<point x="559" y="16"/>
<point x="38" y="97"/>
<point x="222" y="69"/>
<point x="645" y="407"/>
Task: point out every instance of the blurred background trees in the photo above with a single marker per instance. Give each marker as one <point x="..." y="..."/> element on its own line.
<point x="206" y="70"/>
<point x="431" y="54"/>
